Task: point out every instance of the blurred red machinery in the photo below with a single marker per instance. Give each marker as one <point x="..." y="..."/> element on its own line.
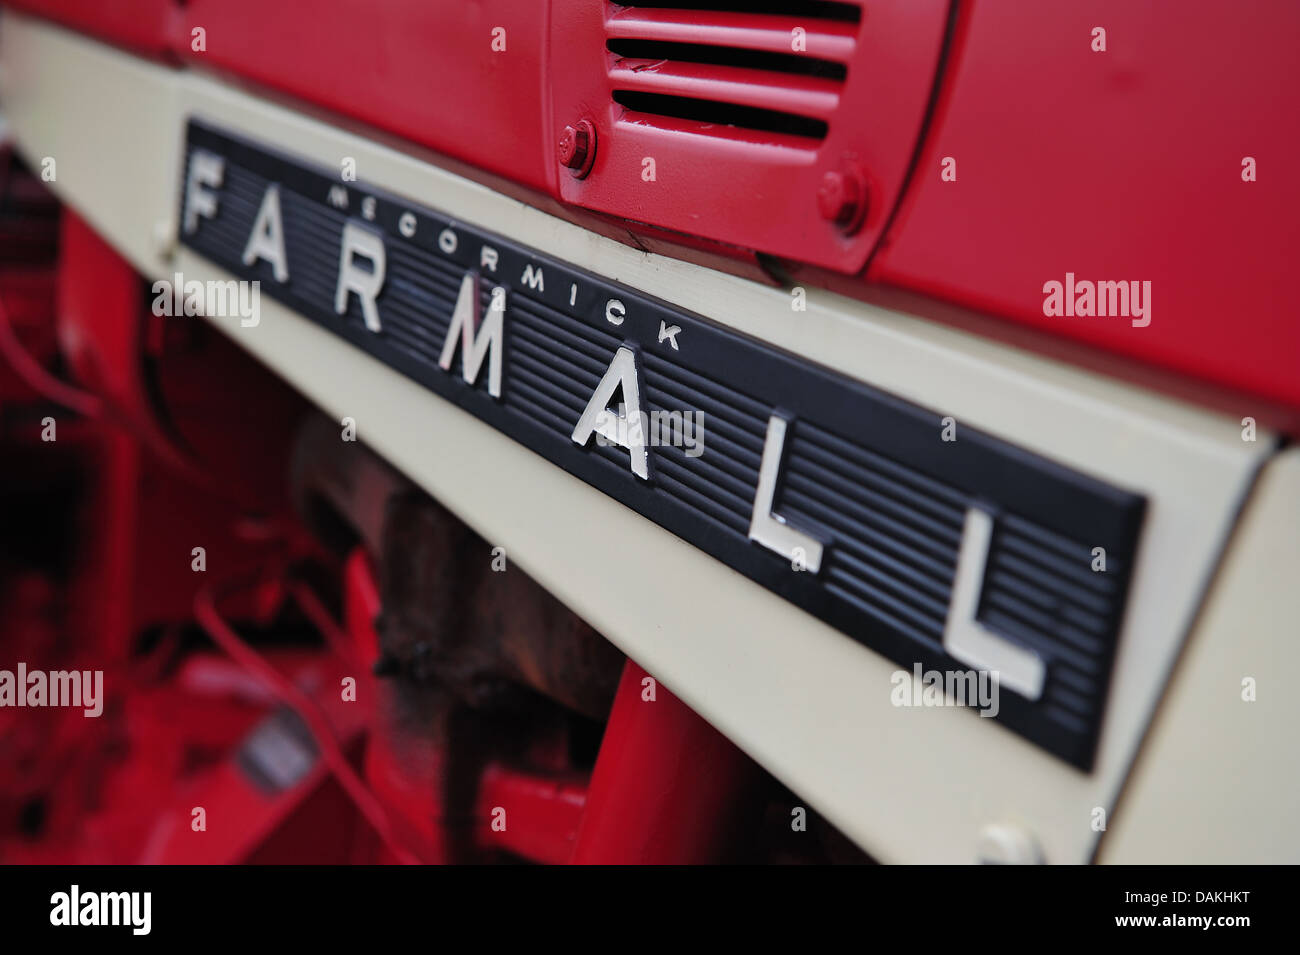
<point x="240" y="683"/>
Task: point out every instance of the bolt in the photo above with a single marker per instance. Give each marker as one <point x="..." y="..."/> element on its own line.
<point x="842" y="198"/>
<point x="164" y="240"/>
<point x="577" y="148"/>
<point x="573" y="148"/>
<point x="1006" y="843"/>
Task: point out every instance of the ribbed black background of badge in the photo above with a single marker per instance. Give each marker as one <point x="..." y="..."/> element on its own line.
<point x="862" y="468"/>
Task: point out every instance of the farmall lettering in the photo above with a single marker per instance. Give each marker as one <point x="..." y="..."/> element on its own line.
<point x="362" y="271"/>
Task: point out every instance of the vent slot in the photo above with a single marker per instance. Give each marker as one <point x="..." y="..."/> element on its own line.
<point x="807" y="9"/>
<point x="727" y="69"/>
<point x="714" y="113"/>
<point x="793" y="63"/>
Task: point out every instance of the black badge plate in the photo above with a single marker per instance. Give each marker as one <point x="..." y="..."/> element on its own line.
<point x="863" y="471"/>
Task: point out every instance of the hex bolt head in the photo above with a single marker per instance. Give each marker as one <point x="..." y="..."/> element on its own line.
<point x="573" y="150"/>
<point x="842" y="198"/>
<point x="577" y="148"/>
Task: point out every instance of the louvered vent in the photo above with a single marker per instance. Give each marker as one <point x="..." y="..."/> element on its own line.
<point x="733" y="68"/>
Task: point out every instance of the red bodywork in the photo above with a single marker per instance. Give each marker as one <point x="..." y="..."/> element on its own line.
<point x="1116" y="166"/>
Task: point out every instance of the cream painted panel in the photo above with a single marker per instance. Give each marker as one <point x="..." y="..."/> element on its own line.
<point x="1219" y="778"/>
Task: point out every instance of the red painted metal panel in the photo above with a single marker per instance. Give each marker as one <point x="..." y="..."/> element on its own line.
<point x="1120" y="165"/>
<point x="1123" y="165"/>
<point x="424" y="71"/>
<point x="494" y="86"/>
<point x="743" y="187"/>
<point x="146" y="26"/>
<point x="668" y="789"/>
